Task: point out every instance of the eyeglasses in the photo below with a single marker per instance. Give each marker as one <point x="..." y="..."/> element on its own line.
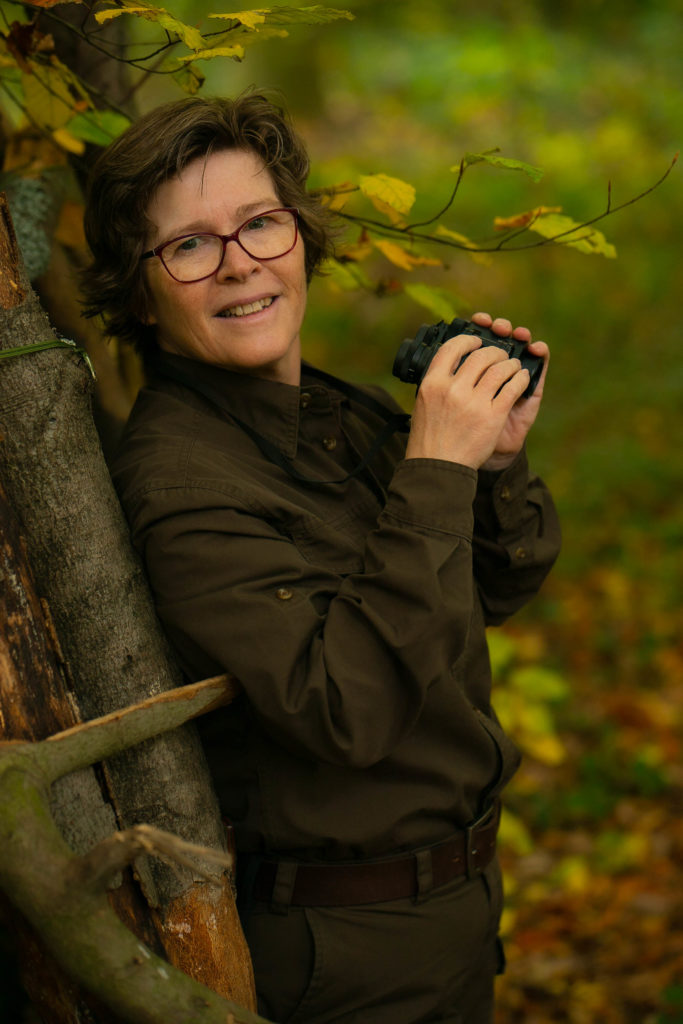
<point x="195" y="257"/>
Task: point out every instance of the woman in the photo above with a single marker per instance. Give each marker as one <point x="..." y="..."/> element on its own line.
<point x="361" y="768"/>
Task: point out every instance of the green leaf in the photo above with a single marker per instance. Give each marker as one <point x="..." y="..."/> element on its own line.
<point x="440" y="303"/>
<point x="490" y="157"/>
<point x="191" y="36"/>
<point x="98" y="126"/>
<point x="586" y="239"/>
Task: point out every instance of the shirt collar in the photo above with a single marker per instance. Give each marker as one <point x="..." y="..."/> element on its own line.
<point x="269" y="407"/>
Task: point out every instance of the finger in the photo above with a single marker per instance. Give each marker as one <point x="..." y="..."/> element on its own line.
<point x="522" y="334"/>
<point x="502" y="326"/>
<point x="478" y="363"/>
<point x="539" y="348"/>
<point x="483" y="319"/>
<point x="498" y="374"/>
<point x="447" y="358"/>
<point x="513" y="388"/>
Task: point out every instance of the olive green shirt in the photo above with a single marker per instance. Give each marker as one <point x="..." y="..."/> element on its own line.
<point x="352" y="613"/>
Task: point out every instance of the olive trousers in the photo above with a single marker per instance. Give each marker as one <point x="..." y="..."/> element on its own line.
<point x="399" y="962"/>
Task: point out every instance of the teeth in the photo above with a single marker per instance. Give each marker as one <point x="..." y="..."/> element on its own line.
<point x="250" y="307"/>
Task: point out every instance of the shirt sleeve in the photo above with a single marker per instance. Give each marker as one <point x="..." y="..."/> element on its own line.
<point x="335" y="666"/>
<point x="516" y="538"/>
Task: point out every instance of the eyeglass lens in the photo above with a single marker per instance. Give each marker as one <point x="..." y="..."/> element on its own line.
<point x="267" y="236"/>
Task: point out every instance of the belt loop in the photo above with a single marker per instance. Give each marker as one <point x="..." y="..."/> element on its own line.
<point x="424" y="874"/>
<point x="283" y="887"/>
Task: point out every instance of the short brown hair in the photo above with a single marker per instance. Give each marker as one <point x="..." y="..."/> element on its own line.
<point x="158" y="147"/>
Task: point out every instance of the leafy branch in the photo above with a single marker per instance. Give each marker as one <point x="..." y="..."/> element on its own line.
<point x="519" y="225"/>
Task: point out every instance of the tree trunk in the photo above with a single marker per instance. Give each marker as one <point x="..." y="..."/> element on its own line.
<point x="59" y="488"/>
<point x="35" y="703"/>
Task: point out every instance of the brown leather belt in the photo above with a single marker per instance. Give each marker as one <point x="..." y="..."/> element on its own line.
<point x="411" y="874"/>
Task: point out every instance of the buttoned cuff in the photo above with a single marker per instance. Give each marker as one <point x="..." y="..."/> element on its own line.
<point x="433" y="495"/>
<point x="506" y="490"/>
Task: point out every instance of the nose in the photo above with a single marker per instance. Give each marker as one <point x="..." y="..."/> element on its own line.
<point x="236" y="263"/>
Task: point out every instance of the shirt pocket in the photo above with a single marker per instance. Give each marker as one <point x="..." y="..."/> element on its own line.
<point x="335" y="543"/>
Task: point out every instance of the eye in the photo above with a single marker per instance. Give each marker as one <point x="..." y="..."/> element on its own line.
<point x="190" y="244"/>
<point x="258" y="223"/>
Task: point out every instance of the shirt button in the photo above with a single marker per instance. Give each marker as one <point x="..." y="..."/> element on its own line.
<point x="520" y="553"/>
<point x="284" y="593"/>
<point x="329" y="443"/>
<point x="505" y="493"/>
<point x="305" y="400"/>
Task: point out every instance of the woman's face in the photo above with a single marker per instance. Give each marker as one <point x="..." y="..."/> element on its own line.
<point x="206" y="320"/>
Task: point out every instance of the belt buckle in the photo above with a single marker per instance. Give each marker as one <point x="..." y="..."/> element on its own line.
<point x="471" y="869"/>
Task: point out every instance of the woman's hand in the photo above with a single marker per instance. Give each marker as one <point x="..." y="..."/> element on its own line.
<point x="474" y="414"/>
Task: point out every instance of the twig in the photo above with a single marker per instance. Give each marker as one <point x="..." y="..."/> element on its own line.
<point x="99" y="866"/>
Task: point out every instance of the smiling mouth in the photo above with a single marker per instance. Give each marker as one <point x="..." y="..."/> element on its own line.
<point x="247" y="308"/>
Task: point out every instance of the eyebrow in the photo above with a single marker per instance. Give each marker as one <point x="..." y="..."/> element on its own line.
<point x="242" y="214"/>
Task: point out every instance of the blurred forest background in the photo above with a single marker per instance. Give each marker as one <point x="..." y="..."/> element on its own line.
<point x="590" y="676"/>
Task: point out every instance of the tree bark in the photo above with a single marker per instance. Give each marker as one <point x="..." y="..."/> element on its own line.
<point x="63" y="895"/>
<point x="60" y="490"/>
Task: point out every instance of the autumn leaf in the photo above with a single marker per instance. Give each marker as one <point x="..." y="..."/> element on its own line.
<point x="249" y="19"/>
<point x="358" y="251"/>
<point x="521" y="220"/>
<point x="64" y="138"/>
<point x="48" y="100"/>
<point x="236" y="52"/>
<point x="484" y="259"/>
<point x="335" y="197"/>
<point x="282" y="15"/>
<point x="388" y="195"/>
<point x="191" y="36"/>
<point x="401" y="257"/>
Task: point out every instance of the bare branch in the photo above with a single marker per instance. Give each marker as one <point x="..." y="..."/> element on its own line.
<point x="97" y="868"/>
<point x="84" y="744"/>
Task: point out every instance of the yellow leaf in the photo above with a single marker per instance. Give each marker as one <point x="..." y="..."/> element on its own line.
<point x="49" y="101"/>
<point x="520" y="220"/>
<point x="191" y="36"/>
<point x="335" y="197"/>
<point x="482" y="258"/>
<point x="282" y="15"/>
<point x="358" y="251"/>
<point x="250" y="19"/>
<point x="236" y="52"/>
<point x="400" y="257"/>
<point x="388" y="195"/>
<point x="69" y="142"/>
<point x="455" y="236"/>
